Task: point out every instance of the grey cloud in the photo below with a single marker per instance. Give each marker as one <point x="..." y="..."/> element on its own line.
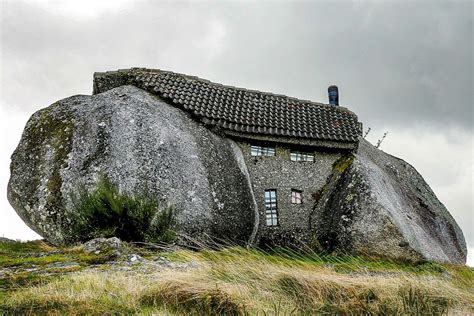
<point x="398" y="63"/>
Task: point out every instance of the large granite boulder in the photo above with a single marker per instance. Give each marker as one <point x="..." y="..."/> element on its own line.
<point x="372" y="204"/>
<point x="140" y="143"/>
<point x="377" y="204"/>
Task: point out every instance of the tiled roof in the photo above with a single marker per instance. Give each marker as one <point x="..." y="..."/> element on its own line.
<point x="238" y="109"/>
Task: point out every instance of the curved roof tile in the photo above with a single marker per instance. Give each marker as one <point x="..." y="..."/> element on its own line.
<point x="240" y="109"/>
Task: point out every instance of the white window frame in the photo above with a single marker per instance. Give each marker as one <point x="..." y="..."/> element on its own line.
<point x="296" y="155"/>
<point x="296" y="196"/>
<point x="257" y="150"/>
<point x="271" y="207"/>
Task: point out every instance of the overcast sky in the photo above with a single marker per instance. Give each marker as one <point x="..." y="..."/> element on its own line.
<point x="403" y="66"/>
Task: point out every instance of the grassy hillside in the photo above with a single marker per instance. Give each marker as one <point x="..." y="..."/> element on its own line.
<point x="38" y="278"/>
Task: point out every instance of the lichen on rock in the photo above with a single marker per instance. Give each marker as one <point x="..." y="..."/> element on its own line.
<point x="141" y="144"/>
<point x="39" y="160"/>
<point x="379" y="205"/>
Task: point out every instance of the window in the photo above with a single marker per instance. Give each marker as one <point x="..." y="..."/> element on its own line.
<point x="296" y="197"/>
<point x="262" y="151"/>
<point x="271" y="207"/>
<point x="301" y="156"/>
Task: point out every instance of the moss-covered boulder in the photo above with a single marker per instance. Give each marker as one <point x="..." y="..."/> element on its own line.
<point x="379" y="205"/>
<point x="142" y="145"/>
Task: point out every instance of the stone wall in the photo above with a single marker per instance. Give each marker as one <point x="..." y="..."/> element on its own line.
<point x="280" y="173"/>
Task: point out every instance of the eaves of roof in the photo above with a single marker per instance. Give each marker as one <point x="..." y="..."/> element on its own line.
<point x="243" y="112"/>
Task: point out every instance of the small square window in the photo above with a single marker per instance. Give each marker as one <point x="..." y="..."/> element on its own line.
<point x="296" y="197"/>
<point x="262" y="151"/>
<point x="301" y="156"/>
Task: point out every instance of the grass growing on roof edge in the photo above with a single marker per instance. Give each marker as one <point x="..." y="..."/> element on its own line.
<point x="239" y="281"/>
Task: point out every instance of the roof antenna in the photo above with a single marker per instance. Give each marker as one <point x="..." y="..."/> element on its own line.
<point x="333" y="94"/>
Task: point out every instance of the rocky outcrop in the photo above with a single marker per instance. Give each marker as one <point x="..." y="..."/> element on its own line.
<point x="377" y="204"/>
<point x="140" y="143"/>
<point x="372" y="203"/>
<point x="98" y="245"/>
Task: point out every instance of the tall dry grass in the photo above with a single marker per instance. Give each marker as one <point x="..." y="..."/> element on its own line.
<point x="237" y="281"/>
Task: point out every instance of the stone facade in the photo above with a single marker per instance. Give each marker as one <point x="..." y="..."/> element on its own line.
<point x="279" y="173"/>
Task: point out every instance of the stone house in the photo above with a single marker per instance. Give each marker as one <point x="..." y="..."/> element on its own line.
<point x="248" y="167"/>
<point x="289" y="145"/>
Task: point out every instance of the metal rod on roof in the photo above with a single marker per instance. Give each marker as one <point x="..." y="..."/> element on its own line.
<point x="333" y="94"/>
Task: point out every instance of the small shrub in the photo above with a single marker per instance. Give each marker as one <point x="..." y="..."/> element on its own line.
<point x="107" y="212"/>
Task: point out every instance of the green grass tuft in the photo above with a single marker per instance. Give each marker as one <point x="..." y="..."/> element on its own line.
<point x="18" y="247"/>
<point x="418" y="301"/>
<point x="107" y="212"/>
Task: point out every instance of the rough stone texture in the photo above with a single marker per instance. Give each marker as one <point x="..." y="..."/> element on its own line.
<point x="364" y="203"/>
<point x="280" y="173"/>
<point x="380" y="205"/>
<point x="140" y="143"/>
<point x="98" y="245"/>
<point x="241" y="110"/>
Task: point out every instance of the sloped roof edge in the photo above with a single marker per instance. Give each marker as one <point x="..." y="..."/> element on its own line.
<point x="240" y="110"/>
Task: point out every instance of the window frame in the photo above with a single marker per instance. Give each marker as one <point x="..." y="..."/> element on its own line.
<point x="271" y="207"/>
<point x="295" y="196"/>
<point x="262" y="151"/>
<point x="301" y="156"/>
